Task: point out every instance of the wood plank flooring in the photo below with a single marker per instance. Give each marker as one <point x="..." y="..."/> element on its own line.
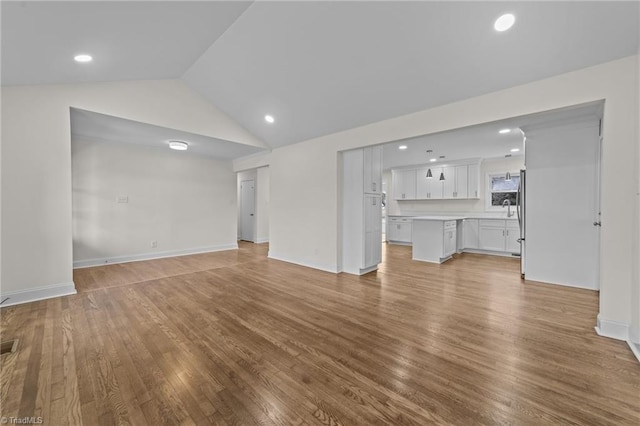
<point x="236" y="338"/>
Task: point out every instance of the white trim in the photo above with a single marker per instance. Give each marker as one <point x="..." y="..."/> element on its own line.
<point x="149" y="256"/>
<point x="38" y="293"/>
<point x="262" y="240"/>
<point x="333" y="269"/>
<point x="612" y="329"/>
<point x="490" y="252"/>
<point x="538" y="280"/>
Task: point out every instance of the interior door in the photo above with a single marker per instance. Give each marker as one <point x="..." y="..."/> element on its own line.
<point x="247" y="210"/>
<point x="561" y="202"/>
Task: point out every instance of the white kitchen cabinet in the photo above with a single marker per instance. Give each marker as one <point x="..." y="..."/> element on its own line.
<point x="361" y="216"/>
<point x="470" y="233"/>
<point x="429" y="188"/>
<point x="512" y="234"/>
<point x="450" y="238"/>
<point x="473" y="181"/>
<point x="455" y="182"/>
<point x="372" y="167"/>
<point x="499" y="235"/>
<point x="399" y="230"/>
<point x="404" y="184"/>
<point x="372" y="253"/>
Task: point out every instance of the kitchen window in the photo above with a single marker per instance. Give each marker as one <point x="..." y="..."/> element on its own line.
<point x="500" y="189"/>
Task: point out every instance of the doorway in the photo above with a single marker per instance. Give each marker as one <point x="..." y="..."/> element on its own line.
<point x="247" y="210"/>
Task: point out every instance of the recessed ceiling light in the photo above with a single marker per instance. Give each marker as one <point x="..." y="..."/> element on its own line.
<point x="433" y="159"/>
<point x="269" y="118"/>
<point x="178" y="145"/>
<point x="83" y="58"/>
<point x="504" y="22"/>
<point x="402" y="147"/>
<point x="515" y="150"/>
<point x="503" y="131"/>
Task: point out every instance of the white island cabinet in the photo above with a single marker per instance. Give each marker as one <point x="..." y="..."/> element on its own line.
<point x="434" y="238"/>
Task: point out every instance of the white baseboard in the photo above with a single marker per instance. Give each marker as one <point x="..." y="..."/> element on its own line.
<point x="149" y="256"/>
<point x="612" y="329"/>
<point x="333" y="268"/>
<point x="489" y="252"/>
<point x="38" y="293"/>
<point x="262" y="240"/>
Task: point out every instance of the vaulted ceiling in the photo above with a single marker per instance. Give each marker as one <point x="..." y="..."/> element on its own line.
<point x="316" y="67"/>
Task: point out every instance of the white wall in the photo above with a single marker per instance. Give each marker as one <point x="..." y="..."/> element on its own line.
<point x="184" y="202"/>
<point x="36" y="166"/>
<point x="262" y="205"/>
<point x="304" y="177"/>
<point x="418" y="207"/>
<point x="635" y="296"/>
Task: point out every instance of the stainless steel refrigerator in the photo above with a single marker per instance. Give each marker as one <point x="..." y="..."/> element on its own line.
<point x="520" y="208"/>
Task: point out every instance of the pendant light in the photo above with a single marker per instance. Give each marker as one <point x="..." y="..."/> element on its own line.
<point x="429" y="175"/>
<point x="441" y="175"/>
<point x="507" y="178"/>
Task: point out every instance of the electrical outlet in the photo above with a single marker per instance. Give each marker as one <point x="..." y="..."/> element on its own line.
<point x="122" y="199"/>
<point x="154" y="244"/>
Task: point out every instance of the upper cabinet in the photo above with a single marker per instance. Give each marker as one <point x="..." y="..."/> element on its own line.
<point x="372" y="170"/>
<point x="429" y="188"/>
<point x="404" y="184"/>
<point x="461" y="181"/>
<point x="455" y="181"/>
<point x="473" y="187"/>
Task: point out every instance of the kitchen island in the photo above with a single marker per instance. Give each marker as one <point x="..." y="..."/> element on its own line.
<point x="434" y="237"/>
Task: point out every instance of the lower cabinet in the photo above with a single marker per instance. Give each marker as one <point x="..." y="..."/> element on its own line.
<point x="512" y="236"/>
<point x="499" y="235"/>
<point x="399" y="230"/>
<point x="450" y="237"/>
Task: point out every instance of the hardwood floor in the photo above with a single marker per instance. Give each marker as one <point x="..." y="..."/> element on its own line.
<point x="236" y="338"/>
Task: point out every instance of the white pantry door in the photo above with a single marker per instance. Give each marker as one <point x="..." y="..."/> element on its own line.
<point x="247" y="210"/>
<point x="562" y="204"/>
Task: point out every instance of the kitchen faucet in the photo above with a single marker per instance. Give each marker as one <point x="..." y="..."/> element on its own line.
<point x="508" y="204"/>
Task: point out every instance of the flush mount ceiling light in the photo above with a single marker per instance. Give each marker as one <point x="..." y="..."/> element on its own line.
<point x="83" y="58"/>
<point x="402" y="147"/>
<point x="504" y="131"/>
<point x="504" y="22"/>
<point x="515" y="150"/>
<point x="433" y="160"/>
<point x="178" y="145"/>
<point x="269" y="119"/>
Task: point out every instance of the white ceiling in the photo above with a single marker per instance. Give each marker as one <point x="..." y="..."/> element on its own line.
<point x="106" y="128"/>
<point x="317" y="67"/>
<point x="481" y="141"/>
<point x="128" y="40"/>
<point x="323" y="67"/>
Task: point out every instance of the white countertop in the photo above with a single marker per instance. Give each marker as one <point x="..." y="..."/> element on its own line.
<point x="443" y="218"/>
<point x="454" y="217"/>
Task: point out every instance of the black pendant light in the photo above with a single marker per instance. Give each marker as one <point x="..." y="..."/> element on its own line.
<point x="441" y="175"/>
<point x="429" y="175"/>
<point x="507" y="178"/>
